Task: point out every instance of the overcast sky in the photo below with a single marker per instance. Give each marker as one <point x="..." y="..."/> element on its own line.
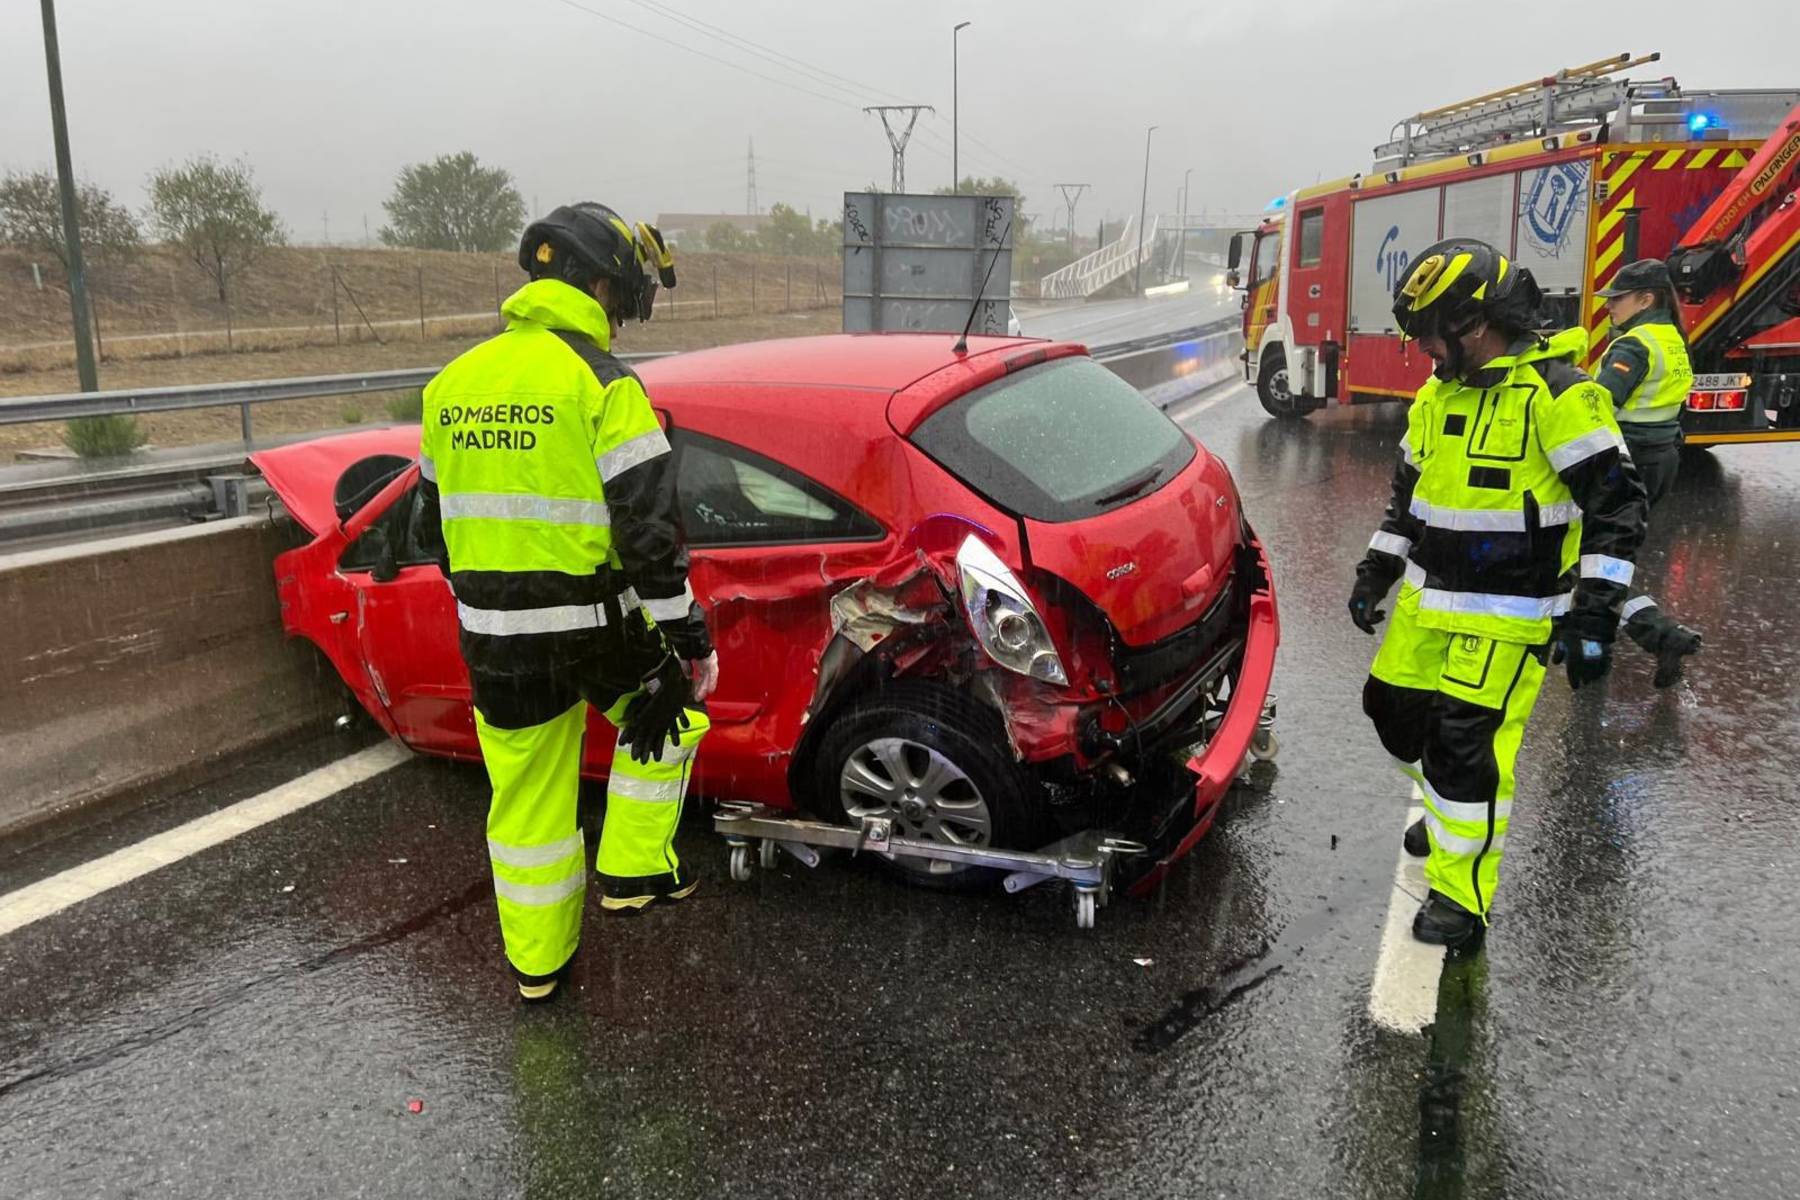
<point x="328" y="98"/>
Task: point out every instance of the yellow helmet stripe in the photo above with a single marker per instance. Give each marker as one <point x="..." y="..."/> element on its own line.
<point x="1443" y="281"/>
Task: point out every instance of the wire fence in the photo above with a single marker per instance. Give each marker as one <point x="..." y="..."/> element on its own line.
<point x="161" y="307"/>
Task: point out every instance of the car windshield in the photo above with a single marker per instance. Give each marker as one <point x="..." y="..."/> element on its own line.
<point x="1057" y="442"/>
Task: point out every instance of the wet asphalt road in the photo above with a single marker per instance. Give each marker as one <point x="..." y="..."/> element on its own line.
<point x="256" y="1020"/>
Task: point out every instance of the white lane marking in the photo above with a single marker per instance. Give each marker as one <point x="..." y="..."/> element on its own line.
<point x="1228" y="390"/>
<point x="1404" y="994"/>
<point x="50" y="896"/>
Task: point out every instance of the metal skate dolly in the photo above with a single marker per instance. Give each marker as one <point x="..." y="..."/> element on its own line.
<point x="1084" y="859"/>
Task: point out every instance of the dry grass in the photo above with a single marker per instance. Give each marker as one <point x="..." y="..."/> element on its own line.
<point x="330" y="412"/>
<point x="161" y="306"/>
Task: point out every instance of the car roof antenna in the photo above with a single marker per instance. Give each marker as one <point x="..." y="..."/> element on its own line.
<point x="962" y="343"/>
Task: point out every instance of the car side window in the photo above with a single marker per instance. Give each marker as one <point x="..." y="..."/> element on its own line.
<point x="394" y="525"/>
<point x="731" y="496"/>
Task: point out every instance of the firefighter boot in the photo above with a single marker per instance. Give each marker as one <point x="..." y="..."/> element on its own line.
<point x="1666" y="638"/>
<point x="1416" y="840"/>
<point x="1443" y="922"/>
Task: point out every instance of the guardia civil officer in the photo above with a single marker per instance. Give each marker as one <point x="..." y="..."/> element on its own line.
<point x="549" y="486"/>
<point x="1646" y="370"/>
<point x="1512" y="481"/>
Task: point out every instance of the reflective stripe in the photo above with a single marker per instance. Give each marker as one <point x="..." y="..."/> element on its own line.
<point x="1604" y="566"/>
<point x="670" y="608"/>
<point x="1563" y="512"/>
<point x="427" y="468"/>
<point x="1443" y="839"/>
<point x="1415" y="575"/>
<point x="638" y="450"/>
<point x="504" y="622"/>
<point x="650" y="791"/>
<point x="1467" y="520"/>
<point x="1486" y="604"/>
<point x="1597" y="441"/>
<point x="540" y="895"/>
<point x="1466" y="811"/>
<point x="1634" y="606"/>
<point x="1406" y="451"/>
<point x="534" y="856"/>
<point x="507" y="507"/>
<point x="628" y="600"/>
<point x="1391" y="543"/>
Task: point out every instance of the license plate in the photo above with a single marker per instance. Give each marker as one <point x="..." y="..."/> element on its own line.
<point x="1718" y="383"/>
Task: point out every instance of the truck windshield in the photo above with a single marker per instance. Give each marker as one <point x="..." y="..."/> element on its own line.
<point x="1060" y="441"/>
<point x="1268" y="257"/>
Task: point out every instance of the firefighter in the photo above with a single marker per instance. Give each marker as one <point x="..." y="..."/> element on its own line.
<point x="549" y="493"/>
<point x="1512" y="480"/>
<point x="1647" y="371"/>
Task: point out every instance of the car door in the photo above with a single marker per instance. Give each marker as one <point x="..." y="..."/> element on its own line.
<point x="405" y="625"/>
<point x="761" y="535"/>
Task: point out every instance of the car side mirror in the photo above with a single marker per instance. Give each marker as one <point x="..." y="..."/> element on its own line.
<point x="387" y="558"/>
<point x="1244" y="301"/>
<point x="1232" y="278"/>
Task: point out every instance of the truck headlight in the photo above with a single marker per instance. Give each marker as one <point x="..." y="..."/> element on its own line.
<point x="1005" y="621"/>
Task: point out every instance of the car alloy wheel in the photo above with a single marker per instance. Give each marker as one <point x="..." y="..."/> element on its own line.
<point x="928" y="797"/>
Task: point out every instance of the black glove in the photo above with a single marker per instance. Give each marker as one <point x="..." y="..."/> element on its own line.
<point x="688" y="637"/>
<point x="1582" y="642"/>
<point x="1371" y="588"/>
<point x="657" y="716"/>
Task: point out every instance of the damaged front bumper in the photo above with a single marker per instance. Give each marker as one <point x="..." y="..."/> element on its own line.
<point x="1242" y="727"/>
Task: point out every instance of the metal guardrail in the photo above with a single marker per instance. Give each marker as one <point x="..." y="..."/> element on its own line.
<point x="48" y="505"/>
<point x="25" y="410"/>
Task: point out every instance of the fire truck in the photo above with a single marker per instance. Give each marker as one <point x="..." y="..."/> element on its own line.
<point x="1572" y="175"/>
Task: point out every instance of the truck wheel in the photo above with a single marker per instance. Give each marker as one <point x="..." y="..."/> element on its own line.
<point x="1272" y="388"/>
<point x="935" y="762"/>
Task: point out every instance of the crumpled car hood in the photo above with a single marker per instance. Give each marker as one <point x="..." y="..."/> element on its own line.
<point x="304" y="473"/>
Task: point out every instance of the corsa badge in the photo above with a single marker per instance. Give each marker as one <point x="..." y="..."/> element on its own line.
<point x="1122" y="570"/>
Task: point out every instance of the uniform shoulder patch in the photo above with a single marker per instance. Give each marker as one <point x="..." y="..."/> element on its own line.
<point x="1559" y="374"/>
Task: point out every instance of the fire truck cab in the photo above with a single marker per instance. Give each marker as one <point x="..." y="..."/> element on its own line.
<point x="1572" y="176"/>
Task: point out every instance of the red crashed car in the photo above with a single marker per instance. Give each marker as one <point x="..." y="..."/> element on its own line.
<point x="996" y="594"/>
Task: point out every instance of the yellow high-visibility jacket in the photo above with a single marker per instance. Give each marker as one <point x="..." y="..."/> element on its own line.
<point x="549" y="490"/>
<point x="1507" y="487"/>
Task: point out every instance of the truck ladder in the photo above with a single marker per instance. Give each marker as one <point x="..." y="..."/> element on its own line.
<point x="1574" y="96"/>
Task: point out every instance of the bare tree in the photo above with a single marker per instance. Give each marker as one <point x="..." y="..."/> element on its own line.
<point x="214" y="213"/>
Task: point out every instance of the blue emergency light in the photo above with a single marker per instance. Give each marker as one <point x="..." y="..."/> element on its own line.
<point x="1699" y="123"/>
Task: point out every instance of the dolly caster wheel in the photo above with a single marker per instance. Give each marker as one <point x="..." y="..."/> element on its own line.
<point x="1086" y="905"/>
<point x="740" y="864"/>
<point x="1265" y="745"/>
<point x="768" y="853"/>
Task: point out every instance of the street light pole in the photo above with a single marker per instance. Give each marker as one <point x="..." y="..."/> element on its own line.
<point x="1137" y="281"/>
<point x="65" y="179"/>
<point x="955" y="105"/>
<point x="1181" y="240"/>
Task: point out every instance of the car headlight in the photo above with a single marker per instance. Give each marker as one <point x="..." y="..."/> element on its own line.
<point x="1005" y="621"/>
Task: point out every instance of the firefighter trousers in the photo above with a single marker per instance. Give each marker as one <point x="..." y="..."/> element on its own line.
<point x="531" y="729"/>
<point x="1451" y="708"/>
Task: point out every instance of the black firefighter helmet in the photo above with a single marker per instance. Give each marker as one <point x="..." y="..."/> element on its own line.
<point x="582" y="243"/>
<point x="1460" y="281"/>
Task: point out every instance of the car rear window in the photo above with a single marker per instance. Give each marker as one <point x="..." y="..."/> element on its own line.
<point x="1057" y="442"/>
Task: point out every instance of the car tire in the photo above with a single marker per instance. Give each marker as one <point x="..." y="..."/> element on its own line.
<point x="906" y="733"/>
<point x="1273" y="390"/>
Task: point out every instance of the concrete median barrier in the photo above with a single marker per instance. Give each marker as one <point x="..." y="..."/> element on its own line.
<point x="144" y="659"/>
<point x="1176" y="370"/>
